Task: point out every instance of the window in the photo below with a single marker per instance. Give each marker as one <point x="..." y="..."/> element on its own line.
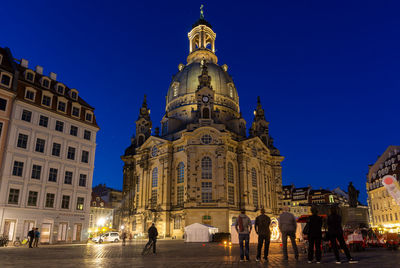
<point x="18" y="168"/>
<point x="206" y="168"/>
<point x="82" y="180"/>
<point x="13" y="197"/>
<point x="60" y="89"/>
<point x="46" y="83"/>
<point x="61" y="106"/>
<point x="74" y="95"/>
<point x="29" y="76"/>
<point x="154" y="151"/>
<point x="59" y="126"/>
<point x="206" y="192"/>
<point x="53" y="174"/>
<point x="40" y="145"/>
<point x="6" y="80"/>
<point x="75" y="111"/>
<point x="26" y="115"/>
<point x="207" y="219"/>
<point x="65" y="201"/>
<point x="230" y="173"/>
<point x="73" y="131"/>
<point x="79" y="203"/>
<point x="87" y="135"/>
<point x="180" y="196"/>
<point x="177" y="223"/>
<point x="253" y="177"/>
<point x="29" y="94"/>
<point x="164" y="129"/>
<point x="68" y="177"/>
<point x="32" y="198"/>
<point x="56" y="149"/>
<point x="50" y="200"/>
<point x="255" y="198"/>
<point x="36" y="171"/>
<point x="231" y="195"/>
<point x="46" y="100"/>
<point x="138" y="184"/>
<point x="206" y="139"/>
<point x="71" y="153"/>
<point x="181" y="172"/>
<point x="85" y="157"/>
<point x="154" y="177"/>
<point x="43" y="121"/>
<point x="1" y="127"/>
<point x="154" y="197"/>
<point x="89" y="117"/>
<point x="22" y="141"/>
<point x="3" y="104"/>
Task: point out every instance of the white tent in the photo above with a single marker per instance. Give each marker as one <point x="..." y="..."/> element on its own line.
<point x="197" y="232"/>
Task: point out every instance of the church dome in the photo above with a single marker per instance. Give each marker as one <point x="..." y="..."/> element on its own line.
<point x="186" y="82"/>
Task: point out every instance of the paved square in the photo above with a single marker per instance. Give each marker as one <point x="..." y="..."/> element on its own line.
<point x="173" y="253"/>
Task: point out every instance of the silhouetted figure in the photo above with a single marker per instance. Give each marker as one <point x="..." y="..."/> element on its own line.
<point x="288" y="226"/>
<point x="314" y="235"/>
<point x="264" y="234"/>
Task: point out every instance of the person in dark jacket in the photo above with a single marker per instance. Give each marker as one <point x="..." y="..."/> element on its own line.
<point x="288" y="226"/>
<point x="264" y="234"/>
<point x="335" y="232"/>
<point x="314" y="235"/>
<point x="31" y="236"/>
<point x="37" y="237"/>
<point x="153" y="233"/>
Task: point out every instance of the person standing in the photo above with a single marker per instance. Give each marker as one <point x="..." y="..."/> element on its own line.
<point x="264" y="234"/>
<point x="335" y="232"/>
<point x="31" y="236"/>
<point x="287" y="226"/>
<point x="37" y="236"/>
<point x="243" y="228"/>
<point x="314" y="235"/>
<point x="153" y="233"/>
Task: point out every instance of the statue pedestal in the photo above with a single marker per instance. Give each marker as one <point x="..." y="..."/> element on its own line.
<point x="354" y="216"/>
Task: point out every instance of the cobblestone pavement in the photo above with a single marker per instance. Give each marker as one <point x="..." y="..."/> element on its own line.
<point x="174" y="253"/>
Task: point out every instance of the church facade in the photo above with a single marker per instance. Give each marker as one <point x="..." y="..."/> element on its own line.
<point x="202" y="167"/>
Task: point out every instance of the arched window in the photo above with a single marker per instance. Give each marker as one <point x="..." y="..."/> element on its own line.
<point x="254" y="177"/>
<point x="154" y="177"/>
<point x="181" y="173"/>
<point x="140" y="140"/>
<point x="230" y="173"/>
<point x="206" y="168"/>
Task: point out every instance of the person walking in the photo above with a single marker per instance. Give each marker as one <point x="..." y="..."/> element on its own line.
<point x="287" y="226"/>
<point x="314" y="235"/>
<point x="335" y="232"/>
<point x="264" y="234"/>
<point x="243" y="228"/>
<point x="153" y="233"/>
<point x="123" y="238"/>
<point x="37" y="236"/>
<point x="31" y="236"/>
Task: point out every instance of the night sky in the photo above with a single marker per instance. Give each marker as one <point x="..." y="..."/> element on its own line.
<point x="327" y="72"/>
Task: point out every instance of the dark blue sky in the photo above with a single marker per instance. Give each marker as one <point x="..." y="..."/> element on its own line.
<point x="327" y="71"/>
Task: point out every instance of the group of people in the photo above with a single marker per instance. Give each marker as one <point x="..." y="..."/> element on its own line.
<point x="288" y="226"/>
<point x="33" y="236"/>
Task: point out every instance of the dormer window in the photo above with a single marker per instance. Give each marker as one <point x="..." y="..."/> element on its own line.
<point x="45" y="82"/>
<point x="60" y="89"/>
<point x="74" y="94"/>
<point x="30" y="94"/>
<point x="30" y="76"/>
<point x="61" y="106"/>
<point x="89" y="116"/>
<point x="76" y="111"/>
<point x="46" y="100"/>
<point x="5" y="80"/>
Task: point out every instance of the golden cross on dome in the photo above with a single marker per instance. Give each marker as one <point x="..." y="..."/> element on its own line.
<point x="201" y="12"/>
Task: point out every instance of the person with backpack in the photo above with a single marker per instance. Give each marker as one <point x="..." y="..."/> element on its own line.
<point x="153" y="233"/>
<point x="335" y="232"/>
<point x="313" y="230"/>
<point x="288" y="226"/>
<point x="243" y="227"/>
<point x="264" y="234"/>
<point x="31" y="236"/>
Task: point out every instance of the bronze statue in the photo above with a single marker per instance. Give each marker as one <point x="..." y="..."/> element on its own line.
<point x="353" y="195"/>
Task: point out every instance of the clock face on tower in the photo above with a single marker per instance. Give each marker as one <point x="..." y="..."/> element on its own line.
<point x="205" y="99"/>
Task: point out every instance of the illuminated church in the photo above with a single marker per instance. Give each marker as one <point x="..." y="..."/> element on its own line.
<point x="202" y="167"/>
